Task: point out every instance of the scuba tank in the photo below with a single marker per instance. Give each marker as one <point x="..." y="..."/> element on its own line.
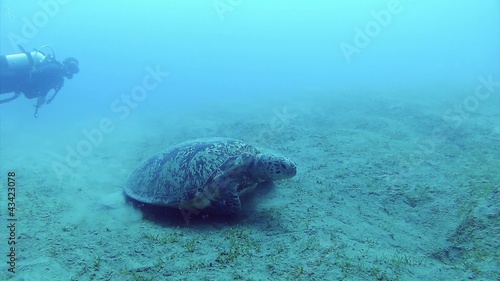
<point x="24" y="62"/>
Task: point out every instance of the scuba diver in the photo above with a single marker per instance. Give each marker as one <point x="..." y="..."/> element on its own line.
<point x="34" y="74"/>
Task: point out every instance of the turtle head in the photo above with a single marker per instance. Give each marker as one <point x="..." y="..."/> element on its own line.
<point x="272" y="167"/>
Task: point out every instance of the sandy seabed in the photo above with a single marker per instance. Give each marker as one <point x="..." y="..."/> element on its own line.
<point x="387" y="189"/>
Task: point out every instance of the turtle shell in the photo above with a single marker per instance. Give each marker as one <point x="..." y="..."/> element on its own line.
<point x="183" y="172"/>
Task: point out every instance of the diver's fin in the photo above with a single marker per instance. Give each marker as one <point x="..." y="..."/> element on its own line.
<point x="15" y="96"/>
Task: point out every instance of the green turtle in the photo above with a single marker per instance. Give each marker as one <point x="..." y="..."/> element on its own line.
<point x="205" y="174"/>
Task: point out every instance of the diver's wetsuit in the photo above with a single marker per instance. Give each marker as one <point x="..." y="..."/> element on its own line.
<point x="45" y="78"/>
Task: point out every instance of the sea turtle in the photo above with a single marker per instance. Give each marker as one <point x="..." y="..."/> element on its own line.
<point x="205" y="174"/>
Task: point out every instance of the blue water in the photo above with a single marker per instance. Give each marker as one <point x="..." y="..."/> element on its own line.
<point x="215" y="49"/>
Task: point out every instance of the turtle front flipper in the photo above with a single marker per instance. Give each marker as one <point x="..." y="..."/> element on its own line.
<point x="223" y="187"/>
<point x="228" y="204"/>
